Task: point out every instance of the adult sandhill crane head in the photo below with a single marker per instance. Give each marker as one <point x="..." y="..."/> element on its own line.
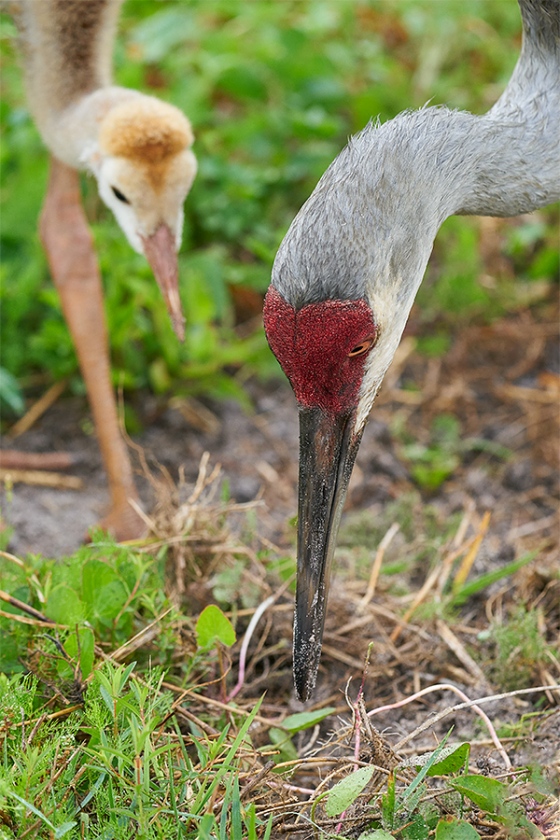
<point x="346" y="275"/>
<point x="145" y="167"/>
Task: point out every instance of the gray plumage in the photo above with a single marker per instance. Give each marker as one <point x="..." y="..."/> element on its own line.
<point x="375" y="212"/>
<point x="362" y="242"/>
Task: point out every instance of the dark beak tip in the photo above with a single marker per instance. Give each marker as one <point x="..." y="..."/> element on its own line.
<point x="304" y="689"/>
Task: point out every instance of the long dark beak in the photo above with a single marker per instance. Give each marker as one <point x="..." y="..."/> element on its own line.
<point x="161" y="253"/>
<point x="328" y="450"/>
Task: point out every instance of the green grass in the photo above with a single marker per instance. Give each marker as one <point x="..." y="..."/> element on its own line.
<point x="115" y="723"/>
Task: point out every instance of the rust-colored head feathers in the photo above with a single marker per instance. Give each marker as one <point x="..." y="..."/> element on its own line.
<point x="145" y="130"/>
<point x="145" y="167"/>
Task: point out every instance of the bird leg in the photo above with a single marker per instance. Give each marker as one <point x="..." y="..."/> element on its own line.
<point x="69" y="247"/>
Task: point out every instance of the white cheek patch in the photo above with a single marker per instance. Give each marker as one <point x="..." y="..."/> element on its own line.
<point x="391" y="327"/>
<point x="124" y="214"/>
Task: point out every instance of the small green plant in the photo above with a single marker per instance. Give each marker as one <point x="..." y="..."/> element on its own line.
<point x="520" y="647"/>
<point x="432" y="463"/>
<point x="100" y="590"/>
<point x="416" y="810"/>
<point x="213" y="627"/>
<point x="281" y="743"/>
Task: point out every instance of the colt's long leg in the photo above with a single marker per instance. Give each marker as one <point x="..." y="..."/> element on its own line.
<point x="69" y="246"/>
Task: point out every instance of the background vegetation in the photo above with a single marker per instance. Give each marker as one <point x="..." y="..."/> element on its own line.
<point x="273" y="91"/>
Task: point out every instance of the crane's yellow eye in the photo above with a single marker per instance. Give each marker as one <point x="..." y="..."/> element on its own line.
<point x="362" y="347"/>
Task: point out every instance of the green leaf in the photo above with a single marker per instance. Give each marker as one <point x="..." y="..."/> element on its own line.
<point x="416" y="829"/>
<point x="10" y="392"/>
<point x="454" y="829"/>
<point x="345" y="792"/>
<point x="64" y="606"/>
<point x="102" y="590"/>
<point x="213" y="626"/>
<point x="206" y="826"/>
<point x="63" y="829"/>
<point x="377" y="834"/>
<point x="82" y="643"/>
<point x="487" y="794"/>
<point x="283" y="743"/>
<point x="492" y="577"/>
<point x="453" y="760"/>
<point x="388" y="802"/>
<point x="31" y="808"/>
<point x="205" y="793"/>
<point x="305" y="720"/>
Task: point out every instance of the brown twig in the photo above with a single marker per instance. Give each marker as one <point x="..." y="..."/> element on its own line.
<point x="20" y="605"/>
<point x="37" y="409"/>
<point x="40" y="478"/>
<point x="16" y="459"/>
<point x="376" y="567"/>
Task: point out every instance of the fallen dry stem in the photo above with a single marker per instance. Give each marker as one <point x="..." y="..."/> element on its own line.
<point x="376" y="567"/>
<point x="445" y="687"/>
<point x="467" y="563"/>
<point x="20" y="605"/>
<point x="37" y="409"/>
<point x="466" y="705"/>
<point x="41" y="478"/>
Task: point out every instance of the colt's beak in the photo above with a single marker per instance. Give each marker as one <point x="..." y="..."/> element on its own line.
<point x="160" y="251"/>
<point x="328" y="450"/>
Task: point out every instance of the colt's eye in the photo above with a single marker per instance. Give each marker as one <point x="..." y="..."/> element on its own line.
<point x="362" y="347"/>
<point x="118" y="194"/>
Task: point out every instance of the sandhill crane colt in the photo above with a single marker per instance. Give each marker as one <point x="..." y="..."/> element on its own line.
<point x="139" y="150"/>
<point x="346" y="274"/>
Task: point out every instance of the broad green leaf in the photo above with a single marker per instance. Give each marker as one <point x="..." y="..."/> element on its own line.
<point x="451" y="760"/>
<point x="416" y="829"/>
<point x="213" y="626"/>
<point x="305" y="720"/>
<point x="82" y="644"/>
<point x="377" y="834"/>
<point x="454" y="829"/>
<point x="486" y="793"/>
<point x="280" y="739"/>
<point x="64" y="606"/>
<point x="345" y="792"/>
<point x="160" y="33"/>
<point x="103" y="590"/>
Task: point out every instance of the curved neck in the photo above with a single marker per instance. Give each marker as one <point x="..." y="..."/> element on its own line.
<point x="369" y="226"/>
<point x="67" y="49"/>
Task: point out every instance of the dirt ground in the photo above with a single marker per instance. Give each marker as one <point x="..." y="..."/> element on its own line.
<point x="502" y="383"/>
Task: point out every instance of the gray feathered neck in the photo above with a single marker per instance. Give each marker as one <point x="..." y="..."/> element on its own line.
<point x="375" y="212"/>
